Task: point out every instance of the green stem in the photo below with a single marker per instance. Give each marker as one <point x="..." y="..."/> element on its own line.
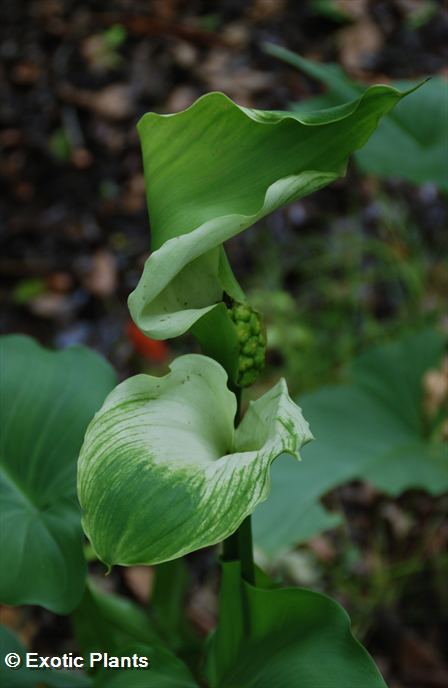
<point x="231" y="548"/>
<point x="238" y="392"/>
<point x="239" y="546"/>
<point x="246" y="551"/>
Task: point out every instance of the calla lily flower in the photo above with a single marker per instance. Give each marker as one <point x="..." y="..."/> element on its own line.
<point x="163" y="471"/>
<point x="212" y="171"/>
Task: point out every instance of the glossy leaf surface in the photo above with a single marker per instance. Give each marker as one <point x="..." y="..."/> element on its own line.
<point x="295" y="638"/>
<point x="162" y="471"/>
<point x="47" y="400"/>
<point x="215" y="169"/>
<point x="372" y="428"/>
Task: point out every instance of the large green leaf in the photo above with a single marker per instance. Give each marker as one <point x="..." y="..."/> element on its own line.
<point x="372" y="428"/>
<point x="167" y="609"/>
<point x="112" y="624"/>
<point x="162" y="471"/>
<point x="294" y="508"/>
<point x="47" y="399"/>
<point x="411" y="143"/>
<point x="166" y="671"/>
<point x="287" y="638"/>
<point x="212" y="171"/>
<point x="109" y="623"/>
<point x="34" y="678"/>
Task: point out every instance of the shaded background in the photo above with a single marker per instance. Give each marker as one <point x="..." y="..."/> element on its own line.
<point x="347" y="267"/>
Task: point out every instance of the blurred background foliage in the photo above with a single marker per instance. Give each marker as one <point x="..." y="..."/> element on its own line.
<point x="360" y="264"/>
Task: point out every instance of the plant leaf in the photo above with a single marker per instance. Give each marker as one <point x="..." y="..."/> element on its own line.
<point x="172" y="582"/>
<point x="47" y="399"/>
<point x="295" y="637"/>
<point x="295" y="510"/>
<point x="215" y="169"/>
<point x="162" y="471"/>
<point x="166" y="671"/>
<point x="114" y="625"/>
<point x="110" y="623"/>
<point x="371" y="428"/>
<point x="411" y="143"/>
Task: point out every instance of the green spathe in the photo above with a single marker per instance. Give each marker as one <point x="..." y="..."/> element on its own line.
<point x="163" y="472"/>
<point x="215" y="169"/>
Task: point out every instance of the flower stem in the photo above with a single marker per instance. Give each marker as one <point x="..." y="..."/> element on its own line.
<point x="246" y="551"/>
<point x="231" y="548"/>
<point x="239" y="546"/>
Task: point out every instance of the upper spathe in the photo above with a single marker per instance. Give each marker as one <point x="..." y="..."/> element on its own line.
<point x="217" y="168"/>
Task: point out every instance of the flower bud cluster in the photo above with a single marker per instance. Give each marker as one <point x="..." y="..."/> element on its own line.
<point x="252" y="343"/>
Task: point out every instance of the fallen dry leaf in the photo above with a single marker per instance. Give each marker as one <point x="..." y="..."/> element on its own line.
<point x="50" y="305"/>
<point x="355" y="10"/>
<point x="102" y="278"/>
<point x="19" y="621"/>
<point x="358" y="44"/>
<point x="263" y="10"/>
<point x="140" y="580"/>
<point x="222" y="73"/>
<point x="421" y="663"/>
<point x="202" y="609"/>
<point x="113" y="102"/>
<point x="180" y="98"/>
<point x="322" y="548"/>
<point x="435" y="385"/>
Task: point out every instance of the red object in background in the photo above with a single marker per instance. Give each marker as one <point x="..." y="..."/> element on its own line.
<point x="152" y="349"/>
